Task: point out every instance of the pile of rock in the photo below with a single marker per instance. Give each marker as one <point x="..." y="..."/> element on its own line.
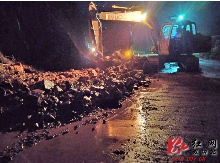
<point x="45" y="103"/>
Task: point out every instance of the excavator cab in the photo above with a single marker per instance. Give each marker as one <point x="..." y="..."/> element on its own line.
<point x="184" y="39"/>
<point x="178" y="41"/>
<point x="181" y="37"/>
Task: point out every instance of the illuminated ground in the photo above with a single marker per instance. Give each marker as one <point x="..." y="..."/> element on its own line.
<point x="171" y="67"/>
<point x="182" y="104"/>
<point x="210" y="68"/>
<point x="175" y="104"/>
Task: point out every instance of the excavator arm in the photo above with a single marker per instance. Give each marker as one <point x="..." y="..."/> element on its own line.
<point x="124" y="14"/>
<point x="168" y="47"/>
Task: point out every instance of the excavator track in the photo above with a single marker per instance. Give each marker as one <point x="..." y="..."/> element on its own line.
<point x="189" y="63"/>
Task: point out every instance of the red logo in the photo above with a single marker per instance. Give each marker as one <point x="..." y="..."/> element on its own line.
<point x="176" y="146"/>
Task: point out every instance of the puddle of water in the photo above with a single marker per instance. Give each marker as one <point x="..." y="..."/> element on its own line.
<point x="125" y="125"/>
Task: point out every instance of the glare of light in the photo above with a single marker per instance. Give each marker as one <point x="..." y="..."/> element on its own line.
<point x="128" y="53"/>
<point x="180" y="17"/>
<point x="141" y="17"/>
<point x="138" y="17"/>
<point x="144" y="16"/>
<point x="93" y="49"/>
<point x="114" y="6"/>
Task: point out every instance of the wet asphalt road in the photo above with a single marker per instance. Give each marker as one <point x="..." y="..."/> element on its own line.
<point x="210" y="68"/>
<point x="173" y="108"/>
<point x="182" y="104"/>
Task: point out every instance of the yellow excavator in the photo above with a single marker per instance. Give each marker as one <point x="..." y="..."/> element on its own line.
<point x="174" y="41"/>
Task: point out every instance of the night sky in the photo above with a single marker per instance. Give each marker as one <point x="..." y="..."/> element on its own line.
<point x="205" y="13"/>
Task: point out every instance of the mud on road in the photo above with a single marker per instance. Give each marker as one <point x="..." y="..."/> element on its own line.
<point x="185" y="105"/>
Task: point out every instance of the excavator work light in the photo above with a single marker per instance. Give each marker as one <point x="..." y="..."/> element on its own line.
<point x="93" y="49"/>
<point x="128" y="53"/>
<point x="144" y="16"/>
<point x="140" y="17"/>
<point x="180" y="17"/>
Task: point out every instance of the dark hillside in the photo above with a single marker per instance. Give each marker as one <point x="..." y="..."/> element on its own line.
<point x="47" y="35"/>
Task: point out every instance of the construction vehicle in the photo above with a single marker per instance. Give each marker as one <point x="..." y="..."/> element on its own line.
<point x="174" y="41"/>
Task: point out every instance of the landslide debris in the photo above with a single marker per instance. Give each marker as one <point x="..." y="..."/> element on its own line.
<point x="32" y="99"/>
